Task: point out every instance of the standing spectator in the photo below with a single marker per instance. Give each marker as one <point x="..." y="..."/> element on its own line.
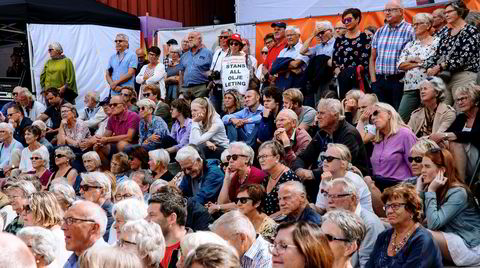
<point x="387" y="45"/>
<point x="63" y="160"/>
<point x="129" y="97"/>
<point x="216" y="66"/>
<point x="141" y="61"/>
<point x="19" y="123"/>
<point x="340" y="29"/>
<point x="182" y="126"/>
<point x="280" y="43"/>
<point x="194" y="65"/>
<point x="202" y="179"/>
<point x="32" y="136"/>
<point x="8" y="144"/>
<point x="324" y="38"/>
<point x="458" y="51"/>
<point x="261" y="68"/>
<point x="351" y="54"/>
<point x="370" y="31"/>
<point x="72" y="131"/>
<point x="251" y="60"/>
<point x="208" y="131"/>
<point x="435" y="116"/>
<point x="59" y="73"/>
<point x="153" y="131"/>
<point x="439" y="20"/>
<point x="293" y="100"/>
<point x="52" y="95"/>
<point x="173" y="73"/>
<point x="411" y="60"/>
<point x="93" y="114"/>
<point x="293" y="202"/>
<point x="185" y="45"/>
<point x="152" y="73"/>
<point x="121" y="66"/>
<point x="393" y="142"/>
<point x="18" y="193"/>
<point x="31" y="108"/>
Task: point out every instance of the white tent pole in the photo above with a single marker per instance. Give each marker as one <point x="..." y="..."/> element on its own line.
<point x="30" y="60"/>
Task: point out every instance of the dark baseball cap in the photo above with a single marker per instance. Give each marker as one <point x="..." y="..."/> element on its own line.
<point x="279" y="24"/>
<point x="172" y="42"/>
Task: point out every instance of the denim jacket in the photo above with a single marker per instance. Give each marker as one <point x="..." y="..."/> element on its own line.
<point x="211" y="182"/>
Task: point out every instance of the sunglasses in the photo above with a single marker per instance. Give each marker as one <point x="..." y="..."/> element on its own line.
<point x="87" y="187"/>
<point x="146" y="95"/>
<point x="223" y="165"/>
<point x="234" y="156"/>
<point x="329" y="158"/>
<point x="50" y="49"/>
<point x="347" y="20"/>
<point x="118" y="41"/>
<point x="235" y="44"/>
<point x="35" y="158"/>
<point x="126" y="95"/>
<point x="375" y="113"/>
<point x="265" y="52"/>
<point x="242" y="200"/>
<point x="417" y="159"/>
<point x="223" y="37"/>
<point x="113" y="105"/>
<point x="331" y="238"/>
<point x="143" y="108"/>
<point x="59" y="155"/>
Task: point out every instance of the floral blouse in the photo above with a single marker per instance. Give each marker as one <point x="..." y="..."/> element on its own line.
<point x="270" y="201"/>
<point x="352" y="52"/>
<point x="415" y="49"/>
<point x="78" y="133"/>
<point x="461" y="52"/>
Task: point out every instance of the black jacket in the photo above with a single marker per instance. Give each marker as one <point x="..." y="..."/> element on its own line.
<point x="19" y="133"/>
<point x="466" y="136"/>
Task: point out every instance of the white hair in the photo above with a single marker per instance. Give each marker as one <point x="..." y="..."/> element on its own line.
<point x="160" y="156"/>
<point x="352" y="226"/>
<point x="187" y="152"/>
<point x="291" y="114"/>
<point x="94" y="212"/>
<point x="147" y="103"/>
<point x="130" y="209"/>
<point x="42" y="242"/>
<point x="14" y="253"/>
<point x="27" y="187"/>
<point x="234" y="222"/>
<point x="157" y="184"/>
<point x="332" y="105"/>
<point x="98" y="179"/>
<point x="56" y="46"/>
<point x="324" y="24"/>
<point x="192" y="240"/>
<point x="109" y="257"/>
<point x="130" y="187"/>
<point x="223" y="156"/>
<point x="294" y="186"/>
<point x="123" y="36"/>
<point x="65" y="190"/>
<point x="246" y="150"/>
<point x="149" y="239"/>
<point x="8" y="127"/>
<point x="293" y="28"/>
<point x="424" y="17"/>
<point x="92" y="155"/>
<point x="175" y="49"/>
<point x="93" y="95"/>
<point x="40" y="124"/>
<point x="44" y="155"/>
<point x="347" y="185"/>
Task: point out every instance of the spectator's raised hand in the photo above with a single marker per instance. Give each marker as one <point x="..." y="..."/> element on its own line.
<point x="304" y="174"/>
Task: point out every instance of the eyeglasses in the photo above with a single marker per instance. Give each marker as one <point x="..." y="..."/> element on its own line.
<point x="14" y="93"/>
<point x="461" y="99"/>
<point x="223" y="37"/>
<point x="123" y="243"/>
<point x="35" y="158"/>
<point x="260" y="157"/>
<point x="234" y="156"/>
<point x="347" y="20"/>
<point x="59" y="155"/>
<point x="280" y="248"/>
<point x="65" y="111"/>
<point x="118" y="41"/>
<point x="120" y="197"/>
<point x="126" y="95"/>
<point x="337" y="196"/>
<point x="146" y="95"/>
<point x="321" y="32"/>
<point x="376" y="112"/>
<point x="242" y="200"/>
<point x="113" y="105"/>
<point x="152" y="54"/>
<point x="390" y="10"/>
<point x="86" y="187"/>
<point x="331" y="238"/>
<point x="234" y="44"/>
<point x="417" y="159"/>
<point x="394" y="206"/>
<point x="449" y="11"/>
<point x="72" y="220"/>
<point x="10" y="115"/>
<point x="415" y="25"/>
<point x="329" y="158"/>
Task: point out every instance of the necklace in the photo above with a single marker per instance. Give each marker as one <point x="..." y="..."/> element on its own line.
<point x="277" y="176"/>
<point x="397" y="247"/>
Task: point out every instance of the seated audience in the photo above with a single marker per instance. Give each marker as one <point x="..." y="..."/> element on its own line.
<point x="292" y="199"/>
<point x="417" y="153"/>
<point x="240" y="126"/>
<point x="129" y="97"/>
<point x="169" y="210"/>
<point x="71" y="131"/>
<point x="193" y="240"/>
<point x="207" y="131"/>
<point x="32" y="136"/>
<point x="271" y="156"/>
<point x="434" y="116"/>
<point x="63" y="160"/>
<point x="55" y="101"/>
<point x="16" y="100"/>
<point x="8" y="144"/>
<point x="392" y="144"/>
<point x="293" y="100"/>
<point x="127" y="189"/>
<point x="152" y="73"/>
<point x="18" y="193"/>
<point x="43" y="141"/>
<point x="337" y="164"/>
<point x="237" y="229"/>
<point x="84" y="225"/>
<point x="15" y="252"/>
<point x="158" y="164"/>
<point x="64" y="193"/>
<point x="96" y="187"/>
<point x="162" y="109"/>
<point x="19" y="122"/>
<point x="41" y="164"/>
<point x="125" y="210"/>
<point x="180" y="110"/>
<point x="272" y="103"/>
<point x="240" y="171"/>
<point x="144" y="179"/>
<point x="31" y="108"/>
<point x="120" y="167"/>
<point x="153" y="131"/>
<point x="232" y="102"/>
<point x="202" y="179"/>
<point x="43" y="245"/>
<point x="407" y="243"/>
<point x="91" y="161"/>
<point x="110" y="257"/>
<point x="342" y="194"/>
<point x="212" y="256"/>
<point x="138" y="158"/>
<point x="294" y="139"/>
<point x="365" y="126"/>
<point x="451" y="211"/>
<point x="351" y="106"/>
<point x="93" y="115"/>
<point x="100" y="130"/>
<point x="300" y="244"/>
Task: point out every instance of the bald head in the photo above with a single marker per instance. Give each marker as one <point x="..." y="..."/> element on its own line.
<point x="90" y="210"/>
<point x="14" y="253"/>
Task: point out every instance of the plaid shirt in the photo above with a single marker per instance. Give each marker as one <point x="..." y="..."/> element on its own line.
<point x="258" y="255"/>
<point x="389" y="42"/>
<point x="14" y="226"/>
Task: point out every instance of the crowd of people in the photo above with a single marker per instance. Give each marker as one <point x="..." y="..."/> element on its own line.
<point x="342" y="153"/>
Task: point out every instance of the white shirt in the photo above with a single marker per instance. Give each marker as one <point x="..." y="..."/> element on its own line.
<point x="37" y="109"/>
<point x="25" y="161"/>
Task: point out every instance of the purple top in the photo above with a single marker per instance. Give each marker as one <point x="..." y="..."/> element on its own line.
<point x="390" y="156"/>
<point x="181" y="135"/>
<point x="119" y="125"/>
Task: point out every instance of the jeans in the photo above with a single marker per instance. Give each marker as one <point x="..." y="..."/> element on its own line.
<point x="388" y="89"/>
<point x="216" y="98"/>
<point x="410" y="101"/>
<point x="239" y="134"/>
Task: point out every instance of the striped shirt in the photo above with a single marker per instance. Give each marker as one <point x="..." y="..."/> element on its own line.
<point x="258" y="255"/>
<point x="389" y="42"/>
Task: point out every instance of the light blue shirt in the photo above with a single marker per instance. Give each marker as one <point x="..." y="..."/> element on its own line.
<point x="6" y="152"/>
<point x="195" y="67"/>
<point x="120" y="67"/>
<point x="322" y="49"/>
<point x="294" y="53"/>
<point x="71" y="262"/>
<point x="245" y="113"/>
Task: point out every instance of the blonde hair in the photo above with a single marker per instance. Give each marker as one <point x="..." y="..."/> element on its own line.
<point x="46" y="210"/>
<point x="210" y="112"/>
<point x="423" y="145"/>
<point x="395" y="122"/>
<point x="294" y="95"/>
<point x="109" y="257"/>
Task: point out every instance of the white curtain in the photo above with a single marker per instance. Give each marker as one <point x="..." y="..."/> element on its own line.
<point x="88" y="46"/>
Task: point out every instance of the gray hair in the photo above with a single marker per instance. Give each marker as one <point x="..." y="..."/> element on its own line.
<point x="147" y="103"/>
<point x="56" y="46"/>
<point x="332" y="105"/>
<point x="438" y="85"/>
<point x="293" y="28"/>
<point x="98" y="179"/>
<point x="354" y="94"/>
<point x="67" y="151"/>
<point x="149" y="239"/>
<point x="130" y="209"/>
<point x="109" y="257"/>
<point x="471" y="90"/>
<point x="223" y="156"/>
<point x="157" y="184"/>
<point x="93" y="95"/>
<point x="291" y="114"/>
<point x="294" y="186"/>
<point x="92" y="155"/>
<point x="246" y="150"/>
<point x="224" y="257"/>
<point x="27" y="187"/>
<point x="324" y="24"/>
<point x="123" y="36"/>
<point x="44" y="155"/>
<point x="65" y="191"/>
<point x="176" y="49"/>
<point x="147" y="176"/>
<point x="348" y="186"/>
<point x="371" y="98"/>
<point x="440" y="12"/>
<point x="42" y="240"/>
<point x="7" y="127"/>
<point x="424" y="17"/>
<point x="41" y="125"/>
<point x="130" y="187"/>
<point x="160" y="156"/>
<point x="423" y="145"/>
<point x="351" y="225"/>
<point x="95" y="213"/>
<point x="187" y="152"/>
<point x="234" y="222"/>
<point x="194" y="240"/>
